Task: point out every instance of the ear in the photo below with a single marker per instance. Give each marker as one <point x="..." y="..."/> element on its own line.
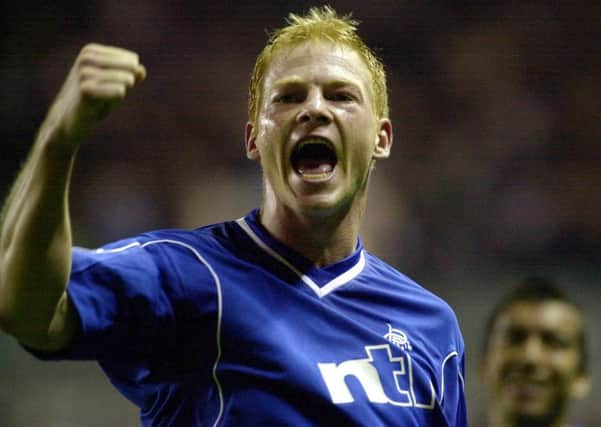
<point x="383" y="140"/>
<point x="250" y="138"/>
<point x="483" y="371"/>
<point x="581" y="386"/>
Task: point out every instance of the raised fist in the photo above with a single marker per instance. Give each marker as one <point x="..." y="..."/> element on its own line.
<point x="98" y="81"/>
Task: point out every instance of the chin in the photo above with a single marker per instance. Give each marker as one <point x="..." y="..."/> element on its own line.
<point x="534" y="414"/>
<point x="322" y="207"/>
<point x="318" y="210"/>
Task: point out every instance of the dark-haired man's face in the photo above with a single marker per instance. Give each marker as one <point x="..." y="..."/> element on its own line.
<point x="533" y="362"/>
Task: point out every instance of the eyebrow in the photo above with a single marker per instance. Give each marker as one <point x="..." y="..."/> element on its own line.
<point x="287" y="81"/>
<point x="297" y="81"/>
<point x="542" y="330"/>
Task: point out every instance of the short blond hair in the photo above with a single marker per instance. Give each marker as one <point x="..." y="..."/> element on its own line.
<point x="321" y="24"/>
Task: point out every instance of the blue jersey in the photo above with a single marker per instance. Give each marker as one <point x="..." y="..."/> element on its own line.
<point x="225" y="326"/>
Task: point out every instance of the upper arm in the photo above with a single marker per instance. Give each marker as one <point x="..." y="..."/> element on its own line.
<point x="63" y="325"/>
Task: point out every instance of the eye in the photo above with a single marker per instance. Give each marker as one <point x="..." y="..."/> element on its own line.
<point x="341" y="97"/>
<point x="514" y="336"/>
<point x="289" y="98"/>
<point x="556" y="342"/>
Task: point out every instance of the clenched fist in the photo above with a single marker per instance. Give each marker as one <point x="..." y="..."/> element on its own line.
<point x="98" y="81"/>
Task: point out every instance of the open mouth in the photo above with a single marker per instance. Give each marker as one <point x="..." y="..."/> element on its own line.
<point x="314" y="158"/>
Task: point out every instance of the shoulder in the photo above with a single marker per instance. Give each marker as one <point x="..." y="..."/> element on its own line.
<point x="144" y="244"/>
<point x="382" y="271"/>
<point x="167" y="254"/>
<point x="415" y="298"/>
<point x="198" y="238"/>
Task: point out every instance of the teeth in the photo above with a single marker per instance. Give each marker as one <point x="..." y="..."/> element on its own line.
<point x="314" y="176"/>
<point x="311" y="141"/>
<point x="323" y="172"/>
<point x="316" y="166"/>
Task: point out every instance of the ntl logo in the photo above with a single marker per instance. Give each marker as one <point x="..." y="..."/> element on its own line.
<point x="369" y="372"/>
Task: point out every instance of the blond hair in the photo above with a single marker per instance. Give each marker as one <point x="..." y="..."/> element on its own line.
<point x="322" y="24"/>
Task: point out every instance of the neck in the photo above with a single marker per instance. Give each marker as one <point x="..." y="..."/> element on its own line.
<point x="323" y="238"/>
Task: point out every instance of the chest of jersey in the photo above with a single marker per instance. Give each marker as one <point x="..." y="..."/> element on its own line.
<point x="350" y="356"/>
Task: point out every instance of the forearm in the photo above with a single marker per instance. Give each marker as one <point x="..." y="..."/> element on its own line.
<point x="35" y="241"/>
<point x="35" y="233"/>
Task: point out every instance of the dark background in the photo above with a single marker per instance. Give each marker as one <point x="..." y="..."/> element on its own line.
<point x="495" y="171"/>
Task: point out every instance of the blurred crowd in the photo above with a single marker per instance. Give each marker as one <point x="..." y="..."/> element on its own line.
<point x="495" y="106"/>
<point x="496" y="109"/>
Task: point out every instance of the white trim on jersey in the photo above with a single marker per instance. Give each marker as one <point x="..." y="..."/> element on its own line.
<point x="119" y="249"/>
<point x="329" y="287"/>
<point x="444" y="362"/>
<point x="219" y="313"/>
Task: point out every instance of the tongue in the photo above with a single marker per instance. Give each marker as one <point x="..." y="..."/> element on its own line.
<point x="314" y="167"/>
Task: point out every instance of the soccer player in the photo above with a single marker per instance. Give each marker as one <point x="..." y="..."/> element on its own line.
<point x="280" y="317"/>
<point x="534" y="357"/>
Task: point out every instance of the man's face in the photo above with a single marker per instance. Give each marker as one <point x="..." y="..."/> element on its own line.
<point x="317" y="133"/>
<point x="532" y="363"/>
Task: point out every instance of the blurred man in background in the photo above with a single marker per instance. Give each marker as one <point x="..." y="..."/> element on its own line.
<point x="534" y="357"/>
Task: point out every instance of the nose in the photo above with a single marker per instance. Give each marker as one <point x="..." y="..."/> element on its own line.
<point x="314" y="110"/>
<point x="533" y="349"/>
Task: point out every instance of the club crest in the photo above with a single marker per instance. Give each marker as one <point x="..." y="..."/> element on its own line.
<point x="398" y="338"/>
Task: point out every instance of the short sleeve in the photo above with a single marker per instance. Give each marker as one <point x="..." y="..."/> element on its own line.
<point x="116" y="294"/>
<point x="454" y="404"/>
